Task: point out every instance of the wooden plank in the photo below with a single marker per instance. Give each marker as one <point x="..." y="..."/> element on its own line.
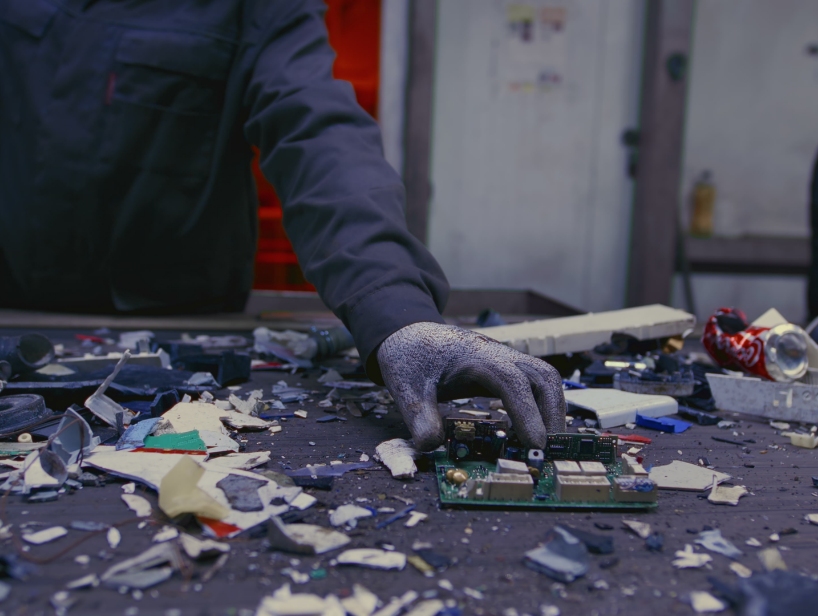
<point x="655" y="212"/>
<point x="749" y="255"/>
<point x="418" y="135"/>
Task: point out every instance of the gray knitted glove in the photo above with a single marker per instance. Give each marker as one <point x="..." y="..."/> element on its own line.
<point x="426" y="362"/>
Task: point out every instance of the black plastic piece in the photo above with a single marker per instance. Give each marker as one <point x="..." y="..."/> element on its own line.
<point x="227" y="367"/>
<point x="163" y="402"/>
<point x="700" y="417"/>
<point x="19" y="413"/>
<point x="25" y="353"/>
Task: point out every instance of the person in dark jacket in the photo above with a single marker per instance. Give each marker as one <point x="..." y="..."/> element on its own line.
<point x="125" y="144"/>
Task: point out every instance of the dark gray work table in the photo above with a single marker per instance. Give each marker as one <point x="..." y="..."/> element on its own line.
<point x="487" y="545"/>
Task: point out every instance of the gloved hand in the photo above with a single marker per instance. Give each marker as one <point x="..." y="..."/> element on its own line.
<point x="426" y="362"/>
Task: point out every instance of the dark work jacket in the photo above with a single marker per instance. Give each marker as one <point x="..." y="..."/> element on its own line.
<point x="125" y="182"/>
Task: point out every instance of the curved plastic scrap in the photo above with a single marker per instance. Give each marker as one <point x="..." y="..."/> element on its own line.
<point x="179" y="492"/>
<point x="73" y="437"/>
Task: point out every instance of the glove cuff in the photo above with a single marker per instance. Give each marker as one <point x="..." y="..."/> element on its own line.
<point x="380" y="314"/>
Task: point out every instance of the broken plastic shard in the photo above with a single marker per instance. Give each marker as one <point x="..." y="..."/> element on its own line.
<point x="45" y="536"/>
<point x="740" y="570"/>
<point x="303" y="538"/>
<point x="398" y="455"/>
<point x="201" y="548"/>
<point x="685" y="476"/>
<point x="182" y="441"/>
<point x="563" y="557"/>
<point x="243" y="461"/>
<point x="73" y="437"/>
<point x="641" y="529"/>
<point x="713" y="541"/>
<point x="44" y="469"/>
<point x="348" y="515"/>
<point x="415" y="517"/>
<point x="772" y="560"/>
<point x="144" y="570"/>
<point x="689" y="559"/>
<point x="242" y="492"/>
<point x="134" y="436"/>
<point x="596" y="544"/>
<point x="101" y="405"/>
<point x="361" y="602"/>
<point x="430" y="607"/>
<point x="812" y="518"/>
<point x="179" y="493"/>
<point x="704" y="603"/>
<point x="138" y="504"/>
<point x="723" y="495"/>
<point x="114" y="537"/>
<point x="167" y="533"/>
<point x="394" y="607"/>
<point x="88" y="581"/>
<point x="373" y="558"/>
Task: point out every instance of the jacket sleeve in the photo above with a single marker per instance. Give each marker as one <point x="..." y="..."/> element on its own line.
<point x="344" y="206"/>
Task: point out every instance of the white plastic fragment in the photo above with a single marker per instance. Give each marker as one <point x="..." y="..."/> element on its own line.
<point x="689" y="559"/>
<point x="373" y="558"/>
<point x="361" y="602"/>
<point x="129" y="488"/>
<point x="301" y="413"/>
<point x="641" y="529"/>
<point x="196" y="548"/>
<point x="812" y="518"/>
<point x="138" y="504"/>
<point x="680" y="475"/>
<point x="398" y="455"/>
<point x="114" y="537"/>
<point x="772" y="560"/>
<point x="753" y="542"/>
<point x="243" y="461"/>
<point x="167" y="533"/>
<point x="705" y="603"/>
<point x="614" y="408"/>
<point x="415" y="517"/>
<point x="88" y="581"/>
<point x="303" y="501"/>
<point x="397" y="604"/>
<point x="45" y="536"/>
<point x="101" y="405"/>
<point x="723" y="495"/>
<point x="430" y="607"/>
<point x="712" y="540"/>
<point x="740" y="570"/>
<point x="584" y="332"/>
<point x="348" y="515"/>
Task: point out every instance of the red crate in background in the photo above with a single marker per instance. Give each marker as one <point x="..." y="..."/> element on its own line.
<point x="354" y="33"/>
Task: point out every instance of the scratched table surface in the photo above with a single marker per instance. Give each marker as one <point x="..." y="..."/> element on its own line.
<point x="486" y="547"/>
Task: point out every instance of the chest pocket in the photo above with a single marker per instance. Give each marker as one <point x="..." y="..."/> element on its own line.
<point x="164" y="97"/>
<point x="31" y="16"/>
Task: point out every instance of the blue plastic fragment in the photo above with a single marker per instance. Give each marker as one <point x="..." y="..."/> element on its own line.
<point x="134" y="436"/>
<point x="663" y="424"/>
<point x="284" y="415"/>
<point x="573" y="385"/>
<point x="395" y="517"/>
<point x="330" y="470"/>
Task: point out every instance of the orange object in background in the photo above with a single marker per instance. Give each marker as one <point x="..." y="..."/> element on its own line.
<point x="354" y="32"/>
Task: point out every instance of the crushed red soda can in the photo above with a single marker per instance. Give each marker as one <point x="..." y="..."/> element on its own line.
<point x="776" y="353"/>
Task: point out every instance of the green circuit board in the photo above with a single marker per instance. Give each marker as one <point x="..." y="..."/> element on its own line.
<point x="544" y="493"/>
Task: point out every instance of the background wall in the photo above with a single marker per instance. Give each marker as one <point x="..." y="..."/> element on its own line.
<point x="528" y="173"/>
<point x="752" y="119"/>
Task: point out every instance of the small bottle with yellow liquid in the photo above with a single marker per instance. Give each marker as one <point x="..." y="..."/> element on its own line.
<point x="703" y="200"/>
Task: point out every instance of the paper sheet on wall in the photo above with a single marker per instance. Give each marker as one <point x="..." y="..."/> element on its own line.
<point x="535" y="39"/>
